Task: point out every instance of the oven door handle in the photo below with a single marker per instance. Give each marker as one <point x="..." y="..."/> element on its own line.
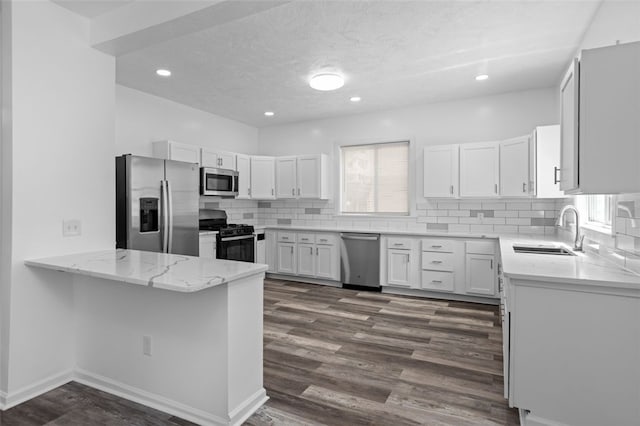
<point x="243" y="237"/>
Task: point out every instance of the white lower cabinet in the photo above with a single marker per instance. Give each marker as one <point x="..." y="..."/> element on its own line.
<point x="286" y="258"/>
<point x="304" y="254"/>
<point x="399" y="267"/>
<point x="481" y="276"/>
<point x="271" y="247"/>
<point x="439" y="281"/>
<point x="306" y="260"/>
<point x="328" y="262"/>
<point x="208" y="246"/>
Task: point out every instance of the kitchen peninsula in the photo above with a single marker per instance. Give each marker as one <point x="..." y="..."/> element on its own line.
<point x="178" y="333"/>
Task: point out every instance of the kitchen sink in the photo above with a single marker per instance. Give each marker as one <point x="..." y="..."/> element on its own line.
<point x="555" y="250"/>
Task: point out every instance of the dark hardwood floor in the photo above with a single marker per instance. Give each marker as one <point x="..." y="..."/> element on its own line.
<point x="341" y="357"/>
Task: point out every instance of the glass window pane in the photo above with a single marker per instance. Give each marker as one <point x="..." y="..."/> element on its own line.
<point x="375" y="178"/>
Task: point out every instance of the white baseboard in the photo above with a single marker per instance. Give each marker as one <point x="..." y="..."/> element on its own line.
<point x="236" y="417"/>
<point x="147" y="398"/>
<point x="3" y="400"/>
<point x="243" y="411"/>
<point x="11" y="399"/>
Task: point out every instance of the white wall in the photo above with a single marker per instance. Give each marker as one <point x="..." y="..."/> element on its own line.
<point x="142" y="118"/>
<point x="614" y="21"/>
<point x="62" y="137"/>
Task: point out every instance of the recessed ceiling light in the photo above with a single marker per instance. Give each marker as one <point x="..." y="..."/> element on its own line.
<point x="269" y="113"/>
<point x="355" y="99"/>
<point x="326" y="81"/>
<point x="481" y="77"/>
<point x="163" y="73"/>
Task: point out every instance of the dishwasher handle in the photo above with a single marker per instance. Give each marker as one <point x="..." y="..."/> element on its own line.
<point x="363" y="237"/>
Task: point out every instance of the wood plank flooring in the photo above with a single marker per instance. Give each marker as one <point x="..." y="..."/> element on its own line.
<point x="340" y="357"/>
<point x="344" y="357"/>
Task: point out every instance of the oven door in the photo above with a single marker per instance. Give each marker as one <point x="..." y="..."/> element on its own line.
<point x="221" y="182"/>
<point x="236" y="248"/>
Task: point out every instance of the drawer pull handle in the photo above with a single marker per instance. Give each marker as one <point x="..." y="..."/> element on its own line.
<point x="323" y="239"/>
<point x="436" y="246"/>
<point x="436" y="281"/>
<point x="398" y="244"/>
<point x="436" y="261"/>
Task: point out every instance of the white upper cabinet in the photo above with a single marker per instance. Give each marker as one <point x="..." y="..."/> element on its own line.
<point x="170" y="150"/>
<point x="313" y="176"/>
<point x="304" y="176"/>
<point x="569" y="128"/>
<point x="600" y="129"/>
<point x="441" y="171"/>
<point x="243" y="166"/>
<point x="479" y="169"/>
<point x="545" y="162"/>
<point x="217" y="159"/>
<point x="514" y="167"/>
<point x="263" y="173"/>
<point x="286" y="177"/>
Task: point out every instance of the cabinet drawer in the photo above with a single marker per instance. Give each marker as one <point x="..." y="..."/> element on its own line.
<point x="432" y="280"/>
<point x="481" y="247"/>
<point x="286" y="237"/>
<point x="306" y="238"/>
<point x="445" y="246"/>
<point x="399" y="243"/>
<point x="437" y="261"/>
<point x="327" y="239"/>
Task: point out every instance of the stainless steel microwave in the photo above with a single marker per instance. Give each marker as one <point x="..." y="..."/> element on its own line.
<point x="220" y="182"/>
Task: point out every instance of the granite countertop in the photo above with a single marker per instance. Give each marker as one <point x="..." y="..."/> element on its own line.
<point x="586" y="268"/>
<point x="159" y="270"/>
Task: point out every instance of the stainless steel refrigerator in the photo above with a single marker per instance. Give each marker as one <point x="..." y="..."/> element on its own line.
<point x="157" y="203"/>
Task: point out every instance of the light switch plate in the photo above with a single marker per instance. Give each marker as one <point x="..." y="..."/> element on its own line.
<point x="71" y="228"/>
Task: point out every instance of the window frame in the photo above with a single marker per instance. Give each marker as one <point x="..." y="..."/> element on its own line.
<point x="584" y="207"/>
<point x="338" y="169"/>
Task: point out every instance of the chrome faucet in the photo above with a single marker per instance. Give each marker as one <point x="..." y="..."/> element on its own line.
<point x="577" y="245"/>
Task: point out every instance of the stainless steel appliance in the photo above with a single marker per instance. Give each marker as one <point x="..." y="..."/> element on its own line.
<point x="360" y="260"/>
<point x="233" y="242"/>
<point x="220" y="182"/>
<point x="157" y="205"/>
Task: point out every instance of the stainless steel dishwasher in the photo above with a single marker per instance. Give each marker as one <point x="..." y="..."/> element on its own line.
<point x="360" y="260"/>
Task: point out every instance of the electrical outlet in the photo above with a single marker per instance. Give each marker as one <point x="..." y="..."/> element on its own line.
<point x="71" y="228"/>
<point x="481" y="217"/>
<point x="146" y="345"/>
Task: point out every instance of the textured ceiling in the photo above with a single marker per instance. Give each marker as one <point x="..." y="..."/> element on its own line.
<point x="393" y="54"/>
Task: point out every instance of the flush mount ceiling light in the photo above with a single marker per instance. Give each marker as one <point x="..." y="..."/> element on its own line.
<point x="326" y="81"/>
<point x="269" y="113"/>
<point x="482" y="77"/>
<point x="163" y="73"/>
<point x="355" y="99"/>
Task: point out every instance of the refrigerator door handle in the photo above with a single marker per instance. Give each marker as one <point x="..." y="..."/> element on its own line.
<point x="170" y="218"/>
<point x="165" y="216"/>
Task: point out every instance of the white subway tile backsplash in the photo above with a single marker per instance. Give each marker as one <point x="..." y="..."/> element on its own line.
<point x="531" y="213"/>
<point x="519" y="206"/>
<point x="453" y="227"/>
<point x="481" y="228"/>
<point x="492" y="205"/>
<point x="506" y="213"/>
<point x="447" y="220"/>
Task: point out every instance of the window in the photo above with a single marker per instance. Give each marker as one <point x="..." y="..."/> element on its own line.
<point x="375" y="178"/>
<point x="597" y="211"/>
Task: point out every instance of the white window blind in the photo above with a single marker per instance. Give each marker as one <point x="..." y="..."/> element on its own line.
<point x="375" y="178"/>
<point x="599" y="209"/>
